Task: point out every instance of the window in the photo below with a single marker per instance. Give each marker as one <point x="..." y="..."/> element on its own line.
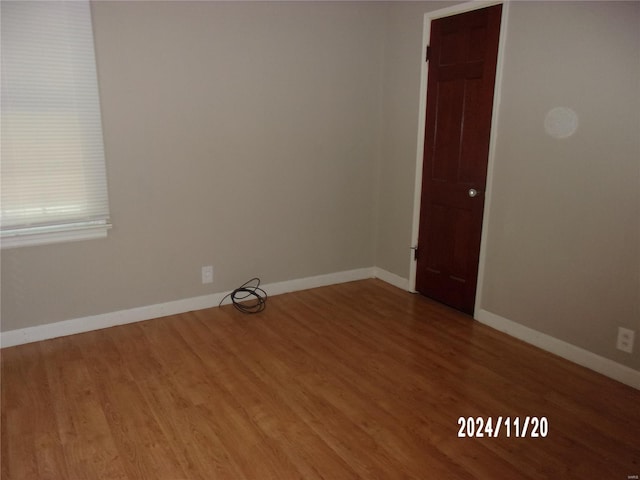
<point x="52" y="156"/>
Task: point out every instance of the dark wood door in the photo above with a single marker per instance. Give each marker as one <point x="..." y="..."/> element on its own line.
<point x="462" y="68"/>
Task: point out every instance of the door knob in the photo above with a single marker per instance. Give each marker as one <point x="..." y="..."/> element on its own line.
<point x="473" y="192"/>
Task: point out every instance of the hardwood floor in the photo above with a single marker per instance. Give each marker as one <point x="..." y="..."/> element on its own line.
<point x="358" y="380"/>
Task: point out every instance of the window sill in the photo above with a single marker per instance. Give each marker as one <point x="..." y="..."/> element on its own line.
<point x="46" y="237"/>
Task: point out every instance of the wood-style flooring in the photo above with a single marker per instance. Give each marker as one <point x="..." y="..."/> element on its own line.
<point x="352" y="381"/>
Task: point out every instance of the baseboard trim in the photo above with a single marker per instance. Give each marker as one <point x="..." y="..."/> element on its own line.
<point x="587" y="359"/>
<point x="570" y="352"/>
<point x="391" y="278"/>
<point x="105" y="320"/>
<point x="319" y="281"/>
<point x="96" y="322"/>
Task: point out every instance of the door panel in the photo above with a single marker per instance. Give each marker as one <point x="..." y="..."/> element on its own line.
<point x="460" y="88"/>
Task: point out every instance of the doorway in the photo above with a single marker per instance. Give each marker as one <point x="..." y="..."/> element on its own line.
<point x="462" y="60"/>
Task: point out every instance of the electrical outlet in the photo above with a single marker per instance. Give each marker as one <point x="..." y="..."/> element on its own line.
<point x="207" y="274"/>
<point x="625" y="340"/>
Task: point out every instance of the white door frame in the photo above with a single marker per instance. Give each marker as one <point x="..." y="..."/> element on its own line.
<point x="426" y="35"/>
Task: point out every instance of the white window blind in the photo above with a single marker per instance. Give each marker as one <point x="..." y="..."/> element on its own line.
<point x="52" y="166"/>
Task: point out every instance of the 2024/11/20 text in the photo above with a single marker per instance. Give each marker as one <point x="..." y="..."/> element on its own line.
<point x="516" y="427"/>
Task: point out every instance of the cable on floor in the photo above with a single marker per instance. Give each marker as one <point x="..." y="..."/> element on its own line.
<point x="248" y="297"/>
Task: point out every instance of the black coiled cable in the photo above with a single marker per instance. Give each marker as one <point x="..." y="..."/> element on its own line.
<point x="248" y="297"/>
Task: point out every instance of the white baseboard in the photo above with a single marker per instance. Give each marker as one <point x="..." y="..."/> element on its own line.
<point x="106" y="320"/>
<point x="111" y="319"/>
<point x="563" y="349"/>
<point x="391" y="278"/>
<point x="318" y="281"/>
<point x="570" y="352"/>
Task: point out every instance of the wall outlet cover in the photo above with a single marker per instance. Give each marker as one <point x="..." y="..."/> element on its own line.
<point x="207" y="274"/>
<point x="625" y="339"/>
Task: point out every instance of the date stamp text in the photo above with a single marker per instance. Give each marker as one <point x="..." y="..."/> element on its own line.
<point x="510" y="427"/>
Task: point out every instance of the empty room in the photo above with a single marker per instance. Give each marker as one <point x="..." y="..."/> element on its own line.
<point x="256" y="240"/>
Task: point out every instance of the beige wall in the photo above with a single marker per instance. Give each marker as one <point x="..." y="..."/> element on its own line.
<point x="564" y="234"/>
<point x="396" y="170"/>
<point x="238" y="135"/>
<point x="563" y="237"/>
<point x="279" y="140"/>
